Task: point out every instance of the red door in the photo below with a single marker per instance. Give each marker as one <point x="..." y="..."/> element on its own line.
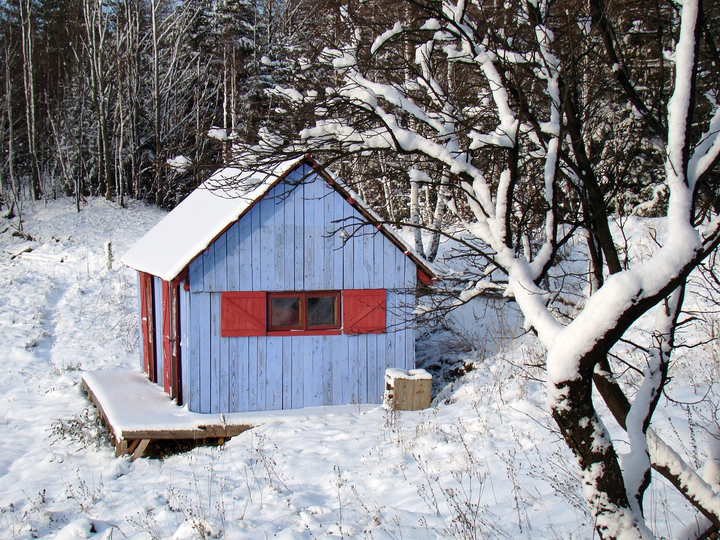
<point x="175" y="386"/>
<point x="171" y="340"/>
<point x="166" y="344"/>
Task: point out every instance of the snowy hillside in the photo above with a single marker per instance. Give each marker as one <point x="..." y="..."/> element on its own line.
<point x="483" y="463"/>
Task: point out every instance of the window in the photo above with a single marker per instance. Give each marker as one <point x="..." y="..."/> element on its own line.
<point x="259" y="313"/>
<point x="284" y="312"/>
<point x="304" y="311"/>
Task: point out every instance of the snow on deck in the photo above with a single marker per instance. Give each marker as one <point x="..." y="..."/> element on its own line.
<point x="136" y="408"/>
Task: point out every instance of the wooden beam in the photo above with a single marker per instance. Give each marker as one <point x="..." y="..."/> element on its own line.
<point x="136" y="442"/>
<point x="121" y="447"/>
<point x="140" y="449"/>
<point x="204" y="432"/>
<point x="133" y="445"/>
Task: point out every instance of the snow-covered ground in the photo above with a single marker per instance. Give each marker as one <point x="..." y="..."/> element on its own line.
<point x="484" y="462"/>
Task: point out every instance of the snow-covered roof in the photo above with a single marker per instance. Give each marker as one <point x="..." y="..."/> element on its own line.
<point x="167" y="249"/>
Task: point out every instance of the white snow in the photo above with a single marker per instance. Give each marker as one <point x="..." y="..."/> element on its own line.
<point x="486" y="445"/>
<point x="219" y="134"/>
<point x="180" y="163"/>
<point x="413" y="374"/>
<point x="679" y="103"/>
<point x="132" y="403"/>
<point x="385" y="36"/>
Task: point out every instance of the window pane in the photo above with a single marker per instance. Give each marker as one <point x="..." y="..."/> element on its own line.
<point x="285" y="311"/>
<point x="321" y="311"/>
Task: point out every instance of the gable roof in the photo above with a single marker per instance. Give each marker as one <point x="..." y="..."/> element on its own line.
<point x="169" y="247"/>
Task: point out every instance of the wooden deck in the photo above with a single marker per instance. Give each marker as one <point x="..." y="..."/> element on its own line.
<point x="137" y="412"/>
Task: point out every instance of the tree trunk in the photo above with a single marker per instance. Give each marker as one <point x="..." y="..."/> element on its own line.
<point x="415" y="216"/>
<point x="586" y="436"/>
<point x="443" y="195"/>
<point x="29" y="86"/>
<point x="157" y="112"/>
<point x="16" y="203"/>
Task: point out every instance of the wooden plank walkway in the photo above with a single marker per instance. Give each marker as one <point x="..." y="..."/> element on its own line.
<point x="137" y="412"/>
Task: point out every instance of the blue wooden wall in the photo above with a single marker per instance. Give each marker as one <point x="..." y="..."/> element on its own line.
<point x="286" y="243"/>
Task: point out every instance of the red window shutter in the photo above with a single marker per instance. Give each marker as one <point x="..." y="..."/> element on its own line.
<point x="364" y="311"/>
<point x="242" y="313"/>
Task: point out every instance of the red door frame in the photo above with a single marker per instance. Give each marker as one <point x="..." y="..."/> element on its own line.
<point x="147" y="322"/>
<point x="166" y="338"/>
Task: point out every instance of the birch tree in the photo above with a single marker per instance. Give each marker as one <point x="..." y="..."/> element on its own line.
<point x="28" y="55"/>
<point x="528" y="133"/>
<point x="8" y="119"/>
<point x="97" y="21"/>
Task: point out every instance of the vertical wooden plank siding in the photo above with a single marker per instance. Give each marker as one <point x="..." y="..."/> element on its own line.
<point x="336" y="355"/>
<point x="290" y="256"/>
<point x="221" y="264"/>
<point x="233" y="258"/>
<point x="195" y="274"/>
<point x="327" y="368"/>
<point x="350" y="361"/>
<point x="375" y="379"/>
<point x="244" y="255"/>
<point x="284" y="243"/>
<point x="286" y="372"/>
<point x="382" y="362"/>
<point x="282" y="240"/>
<point x="220" y="369"/>
<point x="208" y="257"/>
<point x="298" y="362"/>
<point x="296" y="202"/>
<point x="334" y="211"/>
<point x="359" y="356"/>
<point x="201" y="301"/>
<point x="315" y="273"/>
<point x="240" y="367"/>
<point x="274" y="389"/>
<point x="253" y="380"/>
<point x="261" y="374"/>
<point x="308" y="361"/>
<point x="317" y="371"/>
<point x="232" y="350"/>
<point x="192" y="356"/>
<point x="266" y="254"/>
<point x="184" y="330"/>
<point x="255" y="246"/>
<point x="369" y="273"/>
<point x="347" y="385"/>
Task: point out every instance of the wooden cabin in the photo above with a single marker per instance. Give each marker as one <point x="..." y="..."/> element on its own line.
<point x="279" y="290"/>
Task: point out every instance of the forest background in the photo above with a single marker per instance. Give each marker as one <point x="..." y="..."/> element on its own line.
<point x="97" y="96"/>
